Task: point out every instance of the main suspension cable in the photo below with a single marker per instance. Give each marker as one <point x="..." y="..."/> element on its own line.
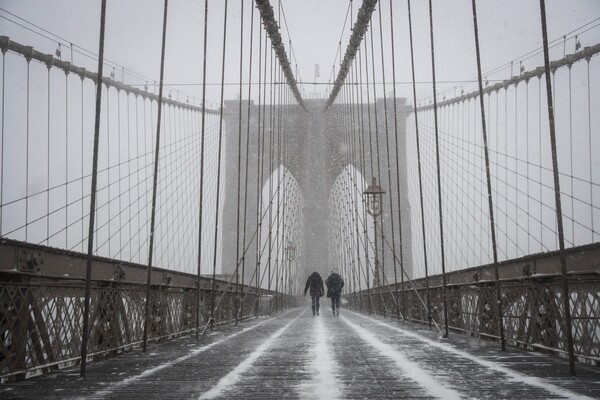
<point x="360" y="27"/>
<point x="272" y="28"/>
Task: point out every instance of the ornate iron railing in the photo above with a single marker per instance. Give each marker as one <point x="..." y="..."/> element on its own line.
<point x="42" y="294"/>
<point x="532" y="304"/>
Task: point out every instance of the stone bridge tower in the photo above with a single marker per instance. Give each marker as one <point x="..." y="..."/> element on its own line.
<point x="316" y="157"/>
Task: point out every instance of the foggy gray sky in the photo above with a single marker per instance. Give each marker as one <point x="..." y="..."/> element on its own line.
<point x="508" y="30"/>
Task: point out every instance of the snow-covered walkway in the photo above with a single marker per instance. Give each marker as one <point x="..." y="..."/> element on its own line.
<point x="296" y="355"/>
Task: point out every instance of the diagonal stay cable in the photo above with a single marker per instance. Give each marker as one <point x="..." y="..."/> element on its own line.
<point x="360" y="219"/>
<point x="222" y="292"/>
<point x="386" y="242"/>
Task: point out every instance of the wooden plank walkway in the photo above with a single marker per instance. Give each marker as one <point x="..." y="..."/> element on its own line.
<point x="298" y="356"/>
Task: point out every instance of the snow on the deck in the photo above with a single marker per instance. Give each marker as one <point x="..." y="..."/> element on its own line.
<point x="323" y="384"/>
<point x="511" y="374"/>
<point x="410" y="369"/>
<point x="234" y="376"/>
<point x="151" y="371"/>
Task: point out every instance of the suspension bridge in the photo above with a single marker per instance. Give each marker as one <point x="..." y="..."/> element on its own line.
<point x="156" y="243"/>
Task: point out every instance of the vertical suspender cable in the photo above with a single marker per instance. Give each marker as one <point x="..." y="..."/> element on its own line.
<point x="571" y="155"/>
<point x="67" y="158"/>
<point x="591" y="167"/>
<point x="365" y="227"/>
<point x="129" y="158"/>
<point x="88" y="270"/>
<point x="82" y="163"/>
<point x="271" y="175"/>
<point x="108" y="186"/>
<point x="247" y="152"/>
<point x="412" y="62"/>
<point x="281" y="220"/>
<point x="155" y="179"/>
<point x="261" y="163"/>
<point x="369" y="109"/>
<point x="389" y="169"/>
<point x="270" y="205"/>
<point x="27" y="101"/>
<point x="348" y="184"/>
<point x="258" y="164"/>
<point x="342" y="209"/>
<point x="489" y="181"/>
<point x="526" y="157"/>
<point x="506" y="158"/>
<point x="559" y="220"/>
<point x="237" y="230"/>
<point x="276" y="132"/>
<point x="202" y="141"/>
<point x="48" y="171"/>
<point x="351" y="193"/>
<point x="280" y="201"/>
<point x="143" y="216"/>
<point x="280" y="208"/>
<point x="282" y="187"/>
<point x="120" y="197"/>
<point x="377" y="272"/>
<point x="540" y="170"/>
<point x="2" y="139"/>
<point x="219" y="157"/>
<point x="285" y="210"/>
<point x="397" y="169"/>
<point x="139" y="196"/>
<point x="439" y="186"/>
<point x="360" y="164"/>
<point x="516" y="172"/>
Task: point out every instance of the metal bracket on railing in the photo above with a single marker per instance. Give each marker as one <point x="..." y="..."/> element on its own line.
<point x="119" y="272"/>
<point x="167" y="278"/>
<point x="29" y="261"/>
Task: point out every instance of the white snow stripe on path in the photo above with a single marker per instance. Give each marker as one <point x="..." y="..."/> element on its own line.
<point x="154" y="370"/>
<point x="324" y="384"/>
<point x="234" y="376"/>
<point x="410" y="369"/>
<point x="512" y="375"/>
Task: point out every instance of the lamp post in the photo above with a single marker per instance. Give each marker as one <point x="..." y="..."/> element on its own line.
<point x="372" y="196"/>
<point x="290" y="253"/>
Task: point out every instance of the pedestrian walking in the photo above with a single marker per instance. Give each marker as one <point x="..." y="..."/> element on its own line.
<point x="315" y="284"/>
<point x="334" y="283"/>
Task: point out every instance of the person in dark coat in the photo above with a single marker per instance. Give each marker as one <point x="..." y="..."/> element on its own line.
<point x="334" y="283"/>
<point x="315" y="284"/>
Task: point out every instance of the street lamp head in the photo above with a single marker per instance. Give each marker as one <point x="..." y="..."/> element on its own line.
<point x="290" y="251"/>
<point x="372" y="196"/>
